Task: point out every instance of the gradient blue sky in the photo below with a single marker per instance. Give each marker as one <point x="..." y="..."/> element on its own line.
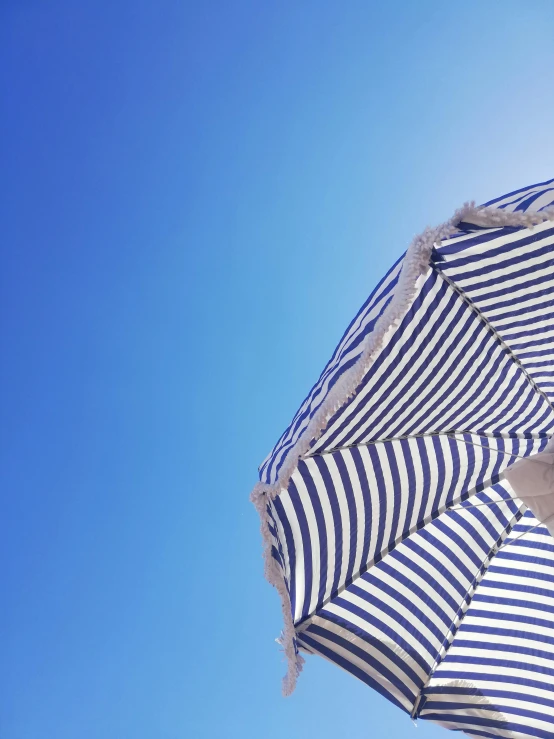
<point x="196" y="198"/>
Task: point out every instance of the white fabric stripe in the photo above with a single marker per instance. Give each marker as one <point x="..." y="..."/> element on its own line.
<point x="471" y="282"/>
<point x="376" y="635"/>
<point x="347" y="616"/>
<point x="492" y="686"/>
<point x="503" y="240"/>
<point x="329" y="525"/>
<point x="509" y="322"/>
<point x="360" y="507"/>
<point x="363" y="666"/>
<point x="344" y="512"/>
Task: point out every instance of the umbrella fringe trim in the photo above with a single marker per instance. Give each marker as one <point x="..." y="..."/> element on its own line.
<point x="274" y="576"/>
<point x="415" y="264"/>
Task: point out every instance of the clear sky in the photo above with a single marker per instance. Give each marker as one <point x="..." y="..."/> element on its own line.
<point x="196" y="199"/>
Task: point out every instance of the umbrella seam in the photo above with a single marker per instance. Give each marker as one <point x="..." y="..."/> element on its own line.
<point x="372" y="442"/>
<point x="496" y="335"/>
<point x="464" y="607"/>
<point x="304" y="624"/>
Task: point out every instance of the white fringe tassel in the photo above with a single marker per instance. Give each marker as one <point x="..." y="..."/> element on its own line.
<point x="274" y="576"/>
<point x="415" y="264"/>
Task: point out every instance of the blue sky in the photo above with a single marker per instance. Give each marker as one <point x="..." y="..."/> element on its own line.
<point x="196" y="199"/>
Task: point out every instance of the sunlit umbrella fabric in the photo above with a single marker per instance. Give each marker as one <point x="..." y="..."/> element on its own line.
<point x="399" y="548"/>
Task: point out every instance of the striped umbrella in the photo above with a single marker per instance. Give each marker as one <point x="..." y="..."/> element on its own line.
<point x="406" y="509"/>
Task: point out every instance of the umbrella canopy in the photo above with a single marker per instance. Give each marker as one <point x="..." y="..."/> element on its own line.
<point x="402" y="527"/>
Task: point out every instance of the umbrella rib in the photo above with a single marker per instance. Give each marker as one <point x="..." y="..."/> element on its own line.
<point x="509" y="542"/>
<point x="462" y="507"/>
<point x="504" y="346"/>
<point x="450" y="434"/>
<point x="495" y="333"/>
<point x="303" y="624"/>
<point x="503" y="541"/>
<point x="464" y="605"/>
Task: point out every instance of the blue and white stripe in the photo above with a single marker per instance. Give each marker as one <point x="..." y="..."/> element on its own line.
<point x="397" y="536"/>
<point x="510" y="280"/>
<point x="529" y="199"/>
<point x="409" y="602"/>
<point x="504" y="649"/>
